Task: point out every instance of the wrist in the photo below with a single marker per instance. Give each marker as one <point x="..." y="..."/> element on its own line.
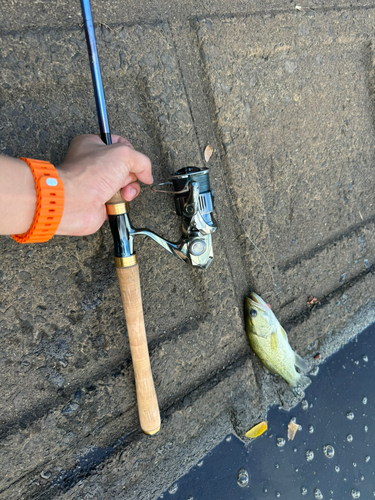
<point x="84" y="211"/>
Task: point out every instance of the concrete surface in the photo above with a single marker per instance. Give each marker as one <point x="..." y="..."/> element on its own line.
<point x="286" y="99"/>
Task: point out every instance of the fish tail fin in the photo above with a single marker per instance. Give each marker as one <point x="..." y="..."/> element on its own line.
<point x="301" y="385"/>
<point x="300" y="363"/>
<point x="303" y="381"/>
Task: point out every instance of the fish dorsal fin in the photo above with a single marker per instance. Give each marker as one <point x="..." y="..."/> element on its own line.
<point x="274" y="341"/>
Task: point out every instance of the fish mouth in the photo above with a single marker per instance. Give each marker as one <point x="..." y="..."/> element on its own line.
<point x="257" y="302"/>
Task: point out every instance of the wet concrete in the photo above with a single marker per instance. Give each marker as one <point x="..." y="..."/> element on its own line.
<point x="285" y="98"/>
<point x="328" y="455"/>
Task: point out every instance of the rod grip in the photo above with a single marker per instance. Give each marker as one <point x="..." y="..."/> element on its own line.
<point x="148" y="407"/>
<point x="116" y="198"/>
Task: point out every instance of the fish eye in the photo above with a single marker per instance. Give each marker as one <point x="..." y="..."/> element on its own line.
<point x="253" y="313"/>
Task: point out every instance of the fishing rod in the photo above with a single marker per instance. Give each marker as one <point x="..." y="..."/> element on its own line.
<point x="194" y="203"/>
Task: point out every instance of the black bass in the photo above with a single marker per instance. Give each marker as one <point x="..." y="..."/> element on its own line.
<point x="269" y="341"/>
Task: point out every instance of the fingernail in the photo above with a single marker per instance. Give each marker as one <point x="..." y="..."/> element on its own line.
<point x="132" y="193"/>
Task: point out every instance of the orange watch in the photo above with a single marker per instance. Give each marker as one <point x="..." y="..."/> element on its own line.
<point x="49" y="203"/>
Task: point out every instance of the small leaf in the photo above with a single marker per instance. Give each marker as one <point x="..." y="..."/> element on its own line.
<point x="292" y="429"/>
<point x="257" y="430"/>
<point x="208" y="152"/>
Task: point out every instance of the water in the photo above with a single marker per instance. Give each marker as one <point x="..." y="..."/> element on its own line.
<point x="330" y="458"/>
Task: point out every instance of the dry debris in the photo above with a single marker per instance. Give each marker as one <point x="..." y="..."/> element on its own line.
<point x="312" y="301"/>
<point x="292" y="429"/>
<point x="208" y="153"/>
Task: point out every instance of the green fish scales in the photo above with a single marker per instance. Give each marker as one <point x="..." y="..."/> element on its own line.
<point x="269" y="341"/>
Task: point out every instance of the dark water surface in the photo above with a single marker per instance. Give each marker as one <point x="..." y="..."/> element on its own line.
<point x="331" y="457"/>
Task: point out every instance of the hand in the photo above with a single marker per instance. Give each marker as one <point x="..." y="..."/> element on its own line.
<point x="92" y="173"/>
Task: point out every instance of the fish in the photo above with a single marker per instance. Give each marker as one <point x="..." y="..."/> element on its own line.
<point x="270" y="343"/>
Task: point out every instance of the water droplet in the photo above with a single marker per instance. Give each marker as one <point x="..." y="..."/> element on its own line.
<point x="328" y="451"/>
<point x="364" y="401"/>
<point x="365" y="428"/>
<point x="365" y="358"/>
<point x="337" y="468"/>
<point x="46" y="474"/>
<point x="349" y="438"/>
<point x="242" y="478"/>
<point x="173" y="489"/>
<point x="200" y="463"/>
<point x="280" y="442"/>
<point x="304" y="404"/>
<point x="367" y="458"/>
<point x="355" y="494"/>
<point x="350" y="415"/>
<point x="318" y="494"/>
<point x="311" y="429"/>
<point x="309" y="455"/>
<point x="303" y="491"/>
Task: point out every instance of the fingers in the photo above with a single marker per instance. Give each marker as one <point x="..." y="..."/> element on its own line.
<point x="130" y="191"/>
<point x="112" y="163"/>
<point x="133" y="160"/>
<point x="122" y="140"/>
<point x="138" y="164"/>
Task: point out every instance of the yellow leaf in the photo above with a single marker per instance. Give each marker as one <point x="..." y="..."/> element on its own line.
<point x="257" y="430"/>
<point x="208" y="152"/>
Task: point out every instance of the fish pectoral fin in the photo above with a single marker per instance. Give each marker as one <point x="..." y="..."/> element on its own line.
<point x="274" y="341"/>
<point x="300" y="362"/>
<point x="284" y="333"/>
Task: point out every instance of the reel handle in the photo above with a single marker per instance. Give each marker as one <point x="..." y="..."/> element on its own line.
<point x="148" y="407"/>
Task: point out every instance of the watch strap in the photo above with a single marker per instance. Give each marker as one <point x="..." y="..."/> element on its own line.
<point x="49" y="203"/>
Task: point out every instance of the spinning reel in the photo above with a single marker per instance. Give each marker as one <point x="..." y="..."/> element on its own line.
<point x="194" y="203"/>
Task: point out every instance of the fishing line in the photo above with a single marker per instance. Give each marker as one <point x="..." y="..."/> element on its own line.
<point x="277" y="287"/>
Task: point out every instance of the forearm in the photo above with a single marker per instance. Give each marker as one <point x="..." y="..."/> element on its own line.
<point x="91" y="172"/>
<point x="17" y="196"/>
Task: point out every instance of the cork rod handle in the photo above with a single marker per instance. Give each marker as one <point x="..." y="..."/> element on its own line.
<point x="148" y="407"/>
<point x="116" y="198"/>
